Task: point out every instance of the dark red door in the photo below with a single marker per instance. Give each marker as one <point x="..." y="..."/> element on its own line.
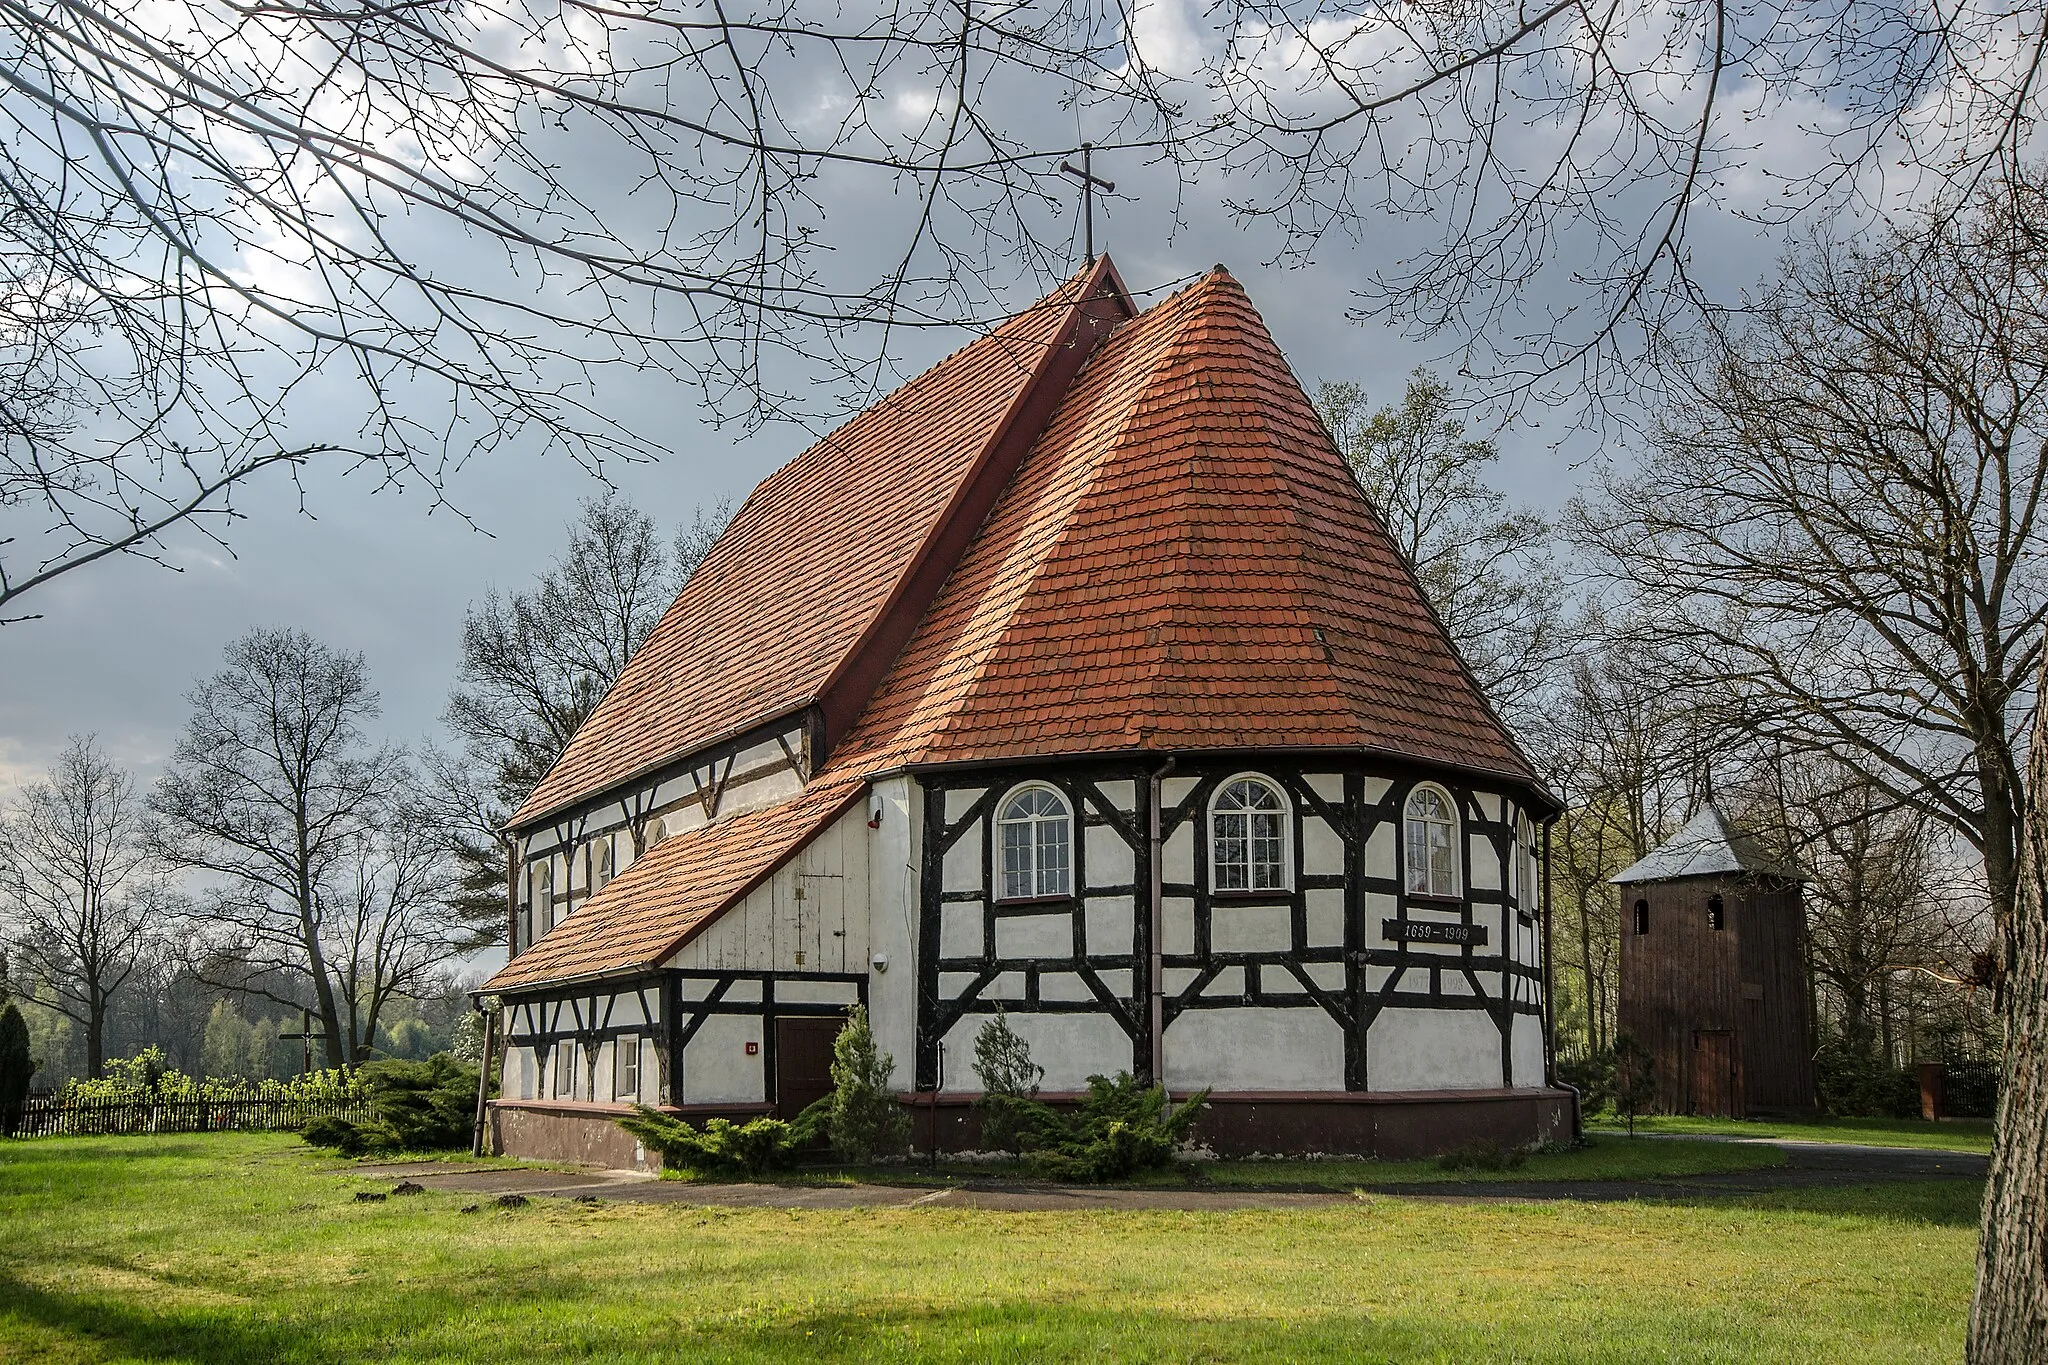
<point x="803" y="1062"/>
<point x="1715" y="1092"/>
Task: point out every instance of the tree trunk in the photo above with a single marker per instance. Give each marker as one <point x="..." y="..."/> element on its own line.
<point x="96" y="1036"/>
<point x="2009" y="1318"/>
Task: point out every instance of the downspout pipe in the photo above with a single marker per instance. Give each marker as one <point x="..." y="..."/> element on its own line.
<point x="1156" y="919"/>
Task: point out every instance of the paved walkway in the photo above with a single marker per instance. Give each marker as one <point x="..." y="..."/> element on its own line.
<point x="1809" y="1165"/>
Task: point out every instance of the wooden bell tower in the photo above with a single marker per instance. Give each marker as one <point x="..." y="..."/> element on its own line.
<point x="1713" y="978"/>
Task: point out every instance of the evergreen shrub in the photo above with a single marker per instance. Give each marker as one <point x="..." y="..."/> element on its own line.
<point x="414" y="1107"/>
<point x="1009" y="1084"/>
<point x="722" y="1147"/>
<point x="16" y="1068"/>
<point x="863" y="1118"/>
<point x="1855" y="1082"/>
<point x="1119" y="1129"/>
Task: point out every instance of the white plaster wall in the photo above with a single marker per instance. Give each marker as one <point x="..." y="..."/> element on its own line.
<point x="1432" y="1050"/>
<point x="1177" y="854"/>
<point x="1325" y="918"/>
<point x="892" y="921"/>
<point x="1071" y="1048"/>
<point x="1380" y="849"/>
<point x="800" y="992"/>
<point x="1111" y="861"/>
<point x="1254" y="1049"/>
<point x="1237" y="928"/>
<point x="1322" y="850"/>
<point x="1109" y="924"/>
<point x="716" y="1067"/>
<point x="1035" y="936"/>
<point x="1176" y="925"/>
<point x="1526" y="1050"/>
<point x="961" y="869"/>
<point x="960" y="929"/>
<point x="1329" y="786"/>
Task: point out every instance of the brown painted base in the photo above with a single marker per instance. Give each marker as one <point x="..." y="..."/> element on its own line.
<point x="589" y="1134"/>
<point x="1387" y="1126"/>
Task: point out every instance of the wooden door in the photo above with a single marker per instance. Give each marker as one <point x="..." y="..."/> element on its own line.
<point x="1716" y="1089"/>
<point x="803" y="1061"/>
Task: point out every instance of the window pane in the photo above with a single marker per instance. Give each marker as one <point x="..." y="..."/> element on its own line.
<point x="1442" y="866"/>
<point x="1054" y="863"/>
<point x="1016" y="860"/>
<point x="1231" y="854"/>
<point x="1267" y="859"/>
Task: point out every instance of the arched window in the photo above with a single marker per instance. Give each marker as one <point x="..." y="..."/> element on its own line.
<point x="1248" y="837"/>
<point x="600" y="864"/>
<point x="543" y="896"/>
<point x="1432" y="843"/>
<point x="1037" y="834"/>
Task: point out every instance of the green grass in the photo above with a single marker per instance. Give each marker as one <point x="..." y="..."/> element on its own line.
<point x="228" y="1249"/>
<point x="1961" y="1135"/>
<point x="1604" y="1157"/>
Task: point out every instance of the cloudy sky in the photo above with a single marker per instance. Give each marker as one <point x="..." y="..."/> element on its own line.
<point x="382" y="572"/>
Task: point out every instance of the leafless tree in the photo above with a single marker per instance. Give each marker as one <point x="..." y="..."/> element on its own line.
<point x="218" y="221"/>
<point x="534" y="665"/>
<point x="1623" y="748"/>
<point x="1577" y="161"/>
<point x="1485" y="566"/>
<point x="1891" y="907"/>
<point x="275" y="792"/>
<point x="80" y="889"/>
<point x="1838" y="531"/>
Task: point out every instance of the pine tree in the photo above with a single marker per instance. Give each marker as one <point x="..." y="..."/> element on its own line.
<point x="16" y="1067"/>
<point x="863" y="1118"/>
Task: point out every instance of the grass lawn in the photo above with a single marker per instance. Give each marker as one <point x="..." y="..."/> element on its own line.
<point x="1606" y="1156"/>
<point x="232" y="1248"/>
<point x="1962" y="1135"/>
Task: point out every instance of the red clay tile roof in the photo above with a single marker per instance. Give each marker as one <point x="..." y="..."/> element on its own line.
<point x="671" y="892"/>
<point x="1181" y="562"/>
<point x="825" y="549"/>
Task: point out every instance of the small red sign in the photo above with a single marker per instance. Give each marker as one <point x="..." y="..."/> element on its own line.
<point x="753" y="1048"/>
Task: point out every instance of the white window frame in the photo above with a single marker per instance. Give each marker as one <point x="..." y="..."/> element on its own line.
<point x="1036" y="872"/>
<point x="540" y="878"/>
<point x="562" y="1069"/>
<point x="1284" y="814"/>
<point x="1409" y="819"/>
<point x="601" y="849"/>
<point x="625" y="1056"/>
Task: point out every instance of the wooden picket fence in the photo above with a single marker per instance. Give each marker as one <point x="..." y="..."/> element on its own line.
<point x="56" y="1116"/>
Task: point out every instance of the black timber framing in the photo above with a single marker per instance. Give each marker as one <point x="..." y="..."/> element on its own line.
<point x="1414" y="973"/>
<point x="590" y="1010"/>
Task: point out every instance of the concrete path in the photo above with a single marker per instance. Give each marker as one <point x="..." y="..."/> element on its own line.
<point x="1809" y="1165"/>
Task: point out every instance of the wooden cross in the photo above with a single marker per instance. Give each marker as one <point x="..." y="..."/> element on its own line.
<point x="305" y="1036"/>
<point x="1090" y="182"/>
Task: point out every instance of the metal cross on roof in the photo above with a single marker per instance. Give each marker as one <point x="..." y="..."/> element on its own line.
<point x="1090" y="182"/>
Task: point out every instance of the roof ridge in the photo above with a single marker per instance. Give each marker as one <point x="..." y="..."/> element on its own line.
<point x="1180" y="300"/>
<point x="851" y="684"/>
<point x="950" y="416"/>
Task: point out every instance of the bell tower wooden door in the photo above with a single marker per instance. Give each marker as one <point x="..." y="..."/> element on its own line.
<point x="1716" y="1084"/>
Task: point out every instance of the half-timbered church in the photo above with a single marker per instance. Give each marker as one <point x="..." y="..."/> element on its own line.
<point x="1078" y="677"/>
